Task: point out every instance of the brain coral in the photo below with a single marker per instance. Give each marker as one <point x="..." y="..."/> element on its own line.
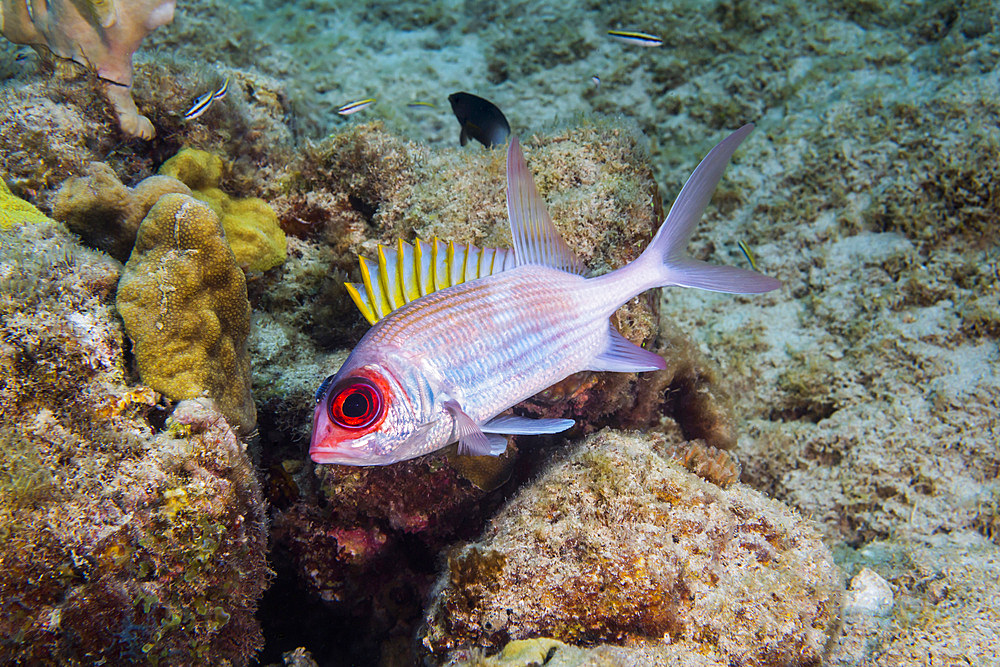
<point x="184" y="303"/>
<point x="251" y="225"/>
<point x="617" y="545"/>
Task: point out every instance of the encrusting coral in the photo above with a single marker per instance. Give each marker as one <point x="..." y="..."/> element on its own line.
<point x="101" y="35"/>
<point x="15" y="211"/>
<point x="119" y="545"/>
<point x="614" y="544"/>
<point x="251" y="225"/>
<point x="184" y="303"/>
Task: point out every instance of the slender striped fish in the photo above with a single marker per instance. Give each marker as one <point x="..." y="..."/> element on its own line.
<point x="748" y="254"/>
<point x="442" y="367"/>
<point x="354" y="107"/>
<point x="200" y="106"/>
<point x="638" y="38"/>
<point x="204" y="101"/>
<point x="221" y="92"/>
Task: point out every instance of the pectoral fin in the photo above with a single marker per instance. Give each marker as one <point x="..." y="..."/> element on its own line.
<point x="514" y="425"/>
<point x="471" y="439"/>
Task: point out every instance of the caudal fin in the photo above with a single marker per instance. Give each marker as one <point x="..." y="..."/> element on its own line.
<point x="664" y="261"/>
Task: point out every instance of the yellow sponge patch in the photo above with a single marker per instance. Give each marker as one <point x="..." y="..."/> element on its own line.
<point x="15" y="211"/>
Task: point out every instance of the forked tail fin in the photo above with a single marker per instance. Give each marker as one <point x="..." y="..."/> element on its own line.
<point x="664" y="262"/>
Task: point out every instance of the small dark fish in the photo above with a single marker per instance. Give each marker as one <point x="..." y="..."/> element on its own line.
<point x="480" y="120"/>
<point x="21" y="56"/>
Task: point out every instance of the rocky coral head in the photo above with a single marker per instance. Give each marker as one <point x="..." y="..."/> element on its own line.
<point x="184" y="303"/>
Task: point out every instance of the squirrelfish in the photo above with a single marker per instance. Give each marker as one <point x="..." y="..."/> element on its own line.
<point x="442" y="367"/>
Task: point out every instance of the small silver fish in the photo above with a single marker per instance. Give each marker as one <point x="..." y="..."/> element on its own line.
<point x="441" y="368"/>
<point x="597" y="80"/>
<point x="639" y="38"/>
<point x="354" y="107"/>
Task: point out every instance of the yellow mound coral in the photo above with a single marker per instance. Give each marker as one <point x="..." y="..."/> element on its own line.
<point x="251" y="225"/>
<point x="16" y="211"/>
<point x="104" y="212"/>
<point x="184" y="303"/>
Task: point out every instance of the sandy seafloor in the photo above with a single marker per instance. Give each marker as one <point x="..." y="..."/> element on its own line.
<point x="868" y="385"/>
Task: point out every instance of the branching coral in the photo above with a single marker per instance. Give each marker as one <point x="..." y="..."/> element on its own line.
<point x="102" y="35"/>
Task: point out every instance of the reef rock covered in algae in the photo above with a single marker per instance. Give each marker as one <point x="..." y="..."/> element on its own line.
<point x="120" y="543"/>
<point x="614" y="544"/>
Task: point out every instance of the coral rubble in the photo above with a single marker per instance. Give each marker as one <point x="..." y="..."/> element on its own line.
<point x="184" y="303"/>
<point x="613" y="544"/>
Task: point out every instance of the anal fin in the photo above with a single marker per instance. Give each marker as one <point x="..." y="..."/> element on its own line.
<point x="622" y="356"/>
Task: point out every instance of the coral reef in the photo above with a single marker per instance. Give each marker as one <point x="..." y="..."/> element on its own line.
<point x="184" y="303"/>
<point x="251" y="225"/>
<point x="121" y="543"/>
<point x="101" y="35"/>
<point x="106" y="214"/>
<point x="613" y="544"/>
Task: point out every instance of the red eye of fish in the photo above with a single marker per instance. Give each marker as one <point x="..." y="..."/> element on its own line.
<point x="356" y="404"/>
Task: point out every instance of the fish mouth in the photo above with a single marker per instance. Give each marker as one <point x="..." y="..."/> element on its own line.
<point x="341" y="456"/>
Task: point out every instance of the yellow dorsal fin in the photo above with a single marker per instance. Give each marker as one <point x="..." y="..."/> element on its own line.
<point x="405" y="273"/>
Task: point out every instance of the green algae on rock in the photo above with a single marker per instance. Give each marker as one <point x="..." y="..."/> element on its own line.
<point x="184" y="303"/>
<point x="616" y="545"/>
<point x="118" y="545"/>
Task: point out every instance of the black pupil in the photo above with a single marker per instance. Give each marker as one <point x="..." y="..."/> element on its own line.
<point x="355" y="405"/>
